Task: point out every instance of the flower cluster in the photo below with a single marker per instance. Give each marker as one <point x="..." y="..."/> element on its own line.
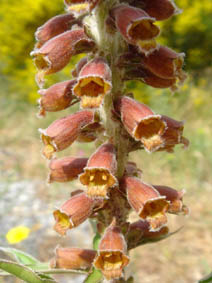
<point x="120" y="40"/>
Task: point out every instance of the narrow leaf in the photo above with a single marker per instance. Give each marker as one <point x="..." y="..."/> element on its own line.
<point x="20" y="256"/>
<point x="20" y="271"/>
<point x="207" y="279"/>
<point x="94" y="277"/>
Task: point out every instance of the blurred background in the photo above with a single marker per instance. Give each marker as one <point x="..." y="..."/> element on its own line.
<point x="27" y="202"/>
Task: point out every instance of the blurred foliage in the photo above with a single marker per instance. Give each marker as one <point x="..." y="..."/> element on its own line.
<point x="189" y="32"/>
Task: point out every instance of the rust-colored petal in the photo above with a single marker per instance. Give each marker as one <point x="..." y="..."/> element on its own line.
<point x="99" y="174"/>
<point x="66" y="169"/>
<point x="94" y="82"/>
<point x="54" y="27"/>
<point x="175" y="199"/>
<point x="146" y="201"/>
<point x="136" y="26"/>
<point x="141" y="122"/>
<point x="73" y="258"/>
<point x="112" y="258"/>
<point x="73" y="212"/>
<point x="57" y="97"/>
<point x="63" y="132"/>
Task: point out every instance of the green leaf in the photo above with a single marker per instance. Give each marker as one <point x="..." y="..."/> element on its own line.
<point x="94" y="277"/>
<point x="22" y="272"/>
<point x="20" y="256"/>
<point x="96" y="241"/>
<point x="207" y="279"/>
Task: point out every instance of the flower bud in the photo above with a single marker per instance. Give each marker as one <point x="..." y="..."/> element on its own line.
<point x="57" y="97"/>
<point x="99" y="173"/>
<point x="73" y="258"/>
<point x="94" y="82"/>
<point x="136" y="26"/>
<point x="63" y="132"/>
<point x="54" y="27"/>
<point x="146" y="201"/>
<point x="141" y="122"/>
<point x="111" y="258"/>
<point x="173" y="134"/>
<point x="175" y="199"/>
<point x="140" y="231"/>
<point x="73" y="212"/>
<point x="56" y="53"/>
<point x="159" y="9"/>
<point x="66" y="169"/>
<point x="165" y="63"/>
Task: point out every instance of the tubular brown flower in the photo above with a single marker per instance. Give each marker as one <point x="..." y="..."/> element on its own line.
<point x="63" y="132"/>
<point x="94" y="82"/>
<point x="175" y="199"/>
<point x="73" y="212"/>
<point x="73" y="258"/>
<point x="66" y="169"/>
<point x="112" y="258"/>
<point x="146" y="201"/>
<point x="54" y="27"/>
<point x="99" y="174"/>
<point x="141" y="122"/>
<point x="136" y="26"/>
<point x="58" y="97"/>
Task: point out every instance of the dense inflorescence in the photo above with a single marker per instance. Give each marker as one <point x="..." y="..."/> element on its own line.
<point x="120" y="39"/>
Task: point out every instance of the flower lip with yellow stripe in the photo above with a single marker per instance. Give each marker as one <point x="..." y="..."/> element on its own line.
<point x="112" y="258"/>
<point x="63" y="132"/>
<point x="73" y="212"/>
<point x="136" y="26"/>
<point x="146" y="201"/>
<point x="94" y="82"/>
<point x="141" y="122"/>
<point x="99" y="174"/>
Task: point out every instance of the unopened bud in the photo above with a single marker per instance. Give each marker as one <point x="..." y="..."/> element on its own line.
<point x="73" y="258"/>
<point x="112" y="258"/>
<point x="141" y="122"/>
<point x="66" y="169"/>
<point x="99" y="173"/>
<point x="146" y="201"/>
<point x="94" y="82"/>
<point x="63" y="132"/>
